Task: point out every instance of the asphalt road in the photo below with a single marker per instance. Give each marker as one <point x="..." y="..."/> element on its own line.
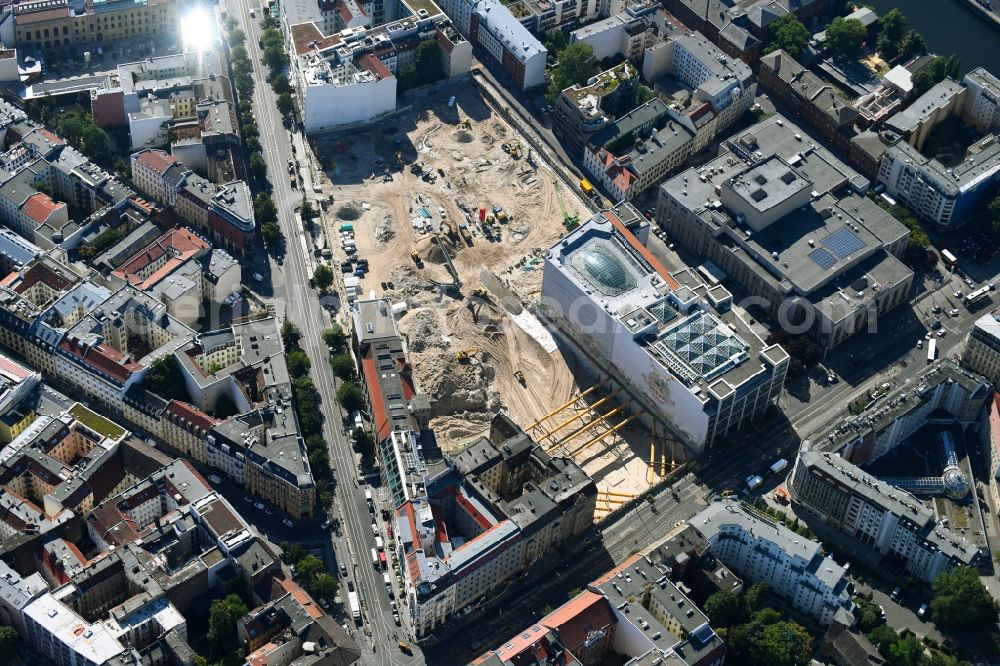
<point x="301" y="305"/>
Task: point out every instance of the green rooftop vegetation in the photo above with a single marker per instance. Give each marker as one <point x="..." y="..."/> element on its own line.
<point x="96" y="422"/>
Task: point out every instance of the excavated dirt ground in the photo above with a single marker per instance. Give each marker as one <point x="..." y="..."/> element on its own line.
<point x="437" y="324"/>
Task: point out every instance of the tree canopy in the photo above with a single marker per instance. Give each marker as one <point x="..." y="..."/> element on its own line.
<point x="164" y="378"/>
<point x="343" y="366"/>
<point x="323" y="277"/>
<point x="576" y="65"/>
<point x="350" y="396"/>
<point x="961" y="599"/>
<point x="789" y="34"/>
<point x="222" y="619"/>
<point x="934" y="71"/>
<point x="891" y="29"/>
<point x="911" y="45"/>
<point x="844" y="38"/>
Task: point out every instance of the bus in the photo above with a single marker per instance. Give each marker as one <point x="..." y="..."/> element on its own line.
<point x="976" y="296"/>
<point x="931" y="349"/>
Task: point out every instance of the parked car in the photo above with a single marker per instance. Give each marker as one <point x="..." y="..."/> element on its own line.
<point x="343" y="569"/>
<point x="896" y="592"/>
<point x="259" y="506"/>
<point x="269" y="511"/>
<point x="969" y="282"/>
<point x="375" y="529"/>
<point x="248" y="500"/>
<point x="953" y="312"/>
<point x="287" y="523"/>
<point x="258" y="277"/>
<point x="215" y="478"/>
<point x="922" y="613"/>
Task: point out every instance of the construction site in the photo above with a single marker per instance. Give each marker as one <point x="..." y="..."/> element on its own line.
<point x="448" y="216"/>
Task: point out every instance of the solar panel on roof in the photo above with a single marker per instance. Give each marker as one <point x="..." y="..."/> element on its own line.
<point x="822" y="258"/>
<point x="843" y="242"/>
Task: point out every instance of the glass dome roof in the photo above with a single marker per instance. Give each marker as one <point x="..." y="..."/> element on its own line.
<point x="604" y="270"/>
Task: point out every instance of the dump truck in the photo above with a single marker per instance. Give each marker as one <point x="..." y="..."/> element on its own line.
<point x="466" y="234"/>
<point x="587" y="188"/>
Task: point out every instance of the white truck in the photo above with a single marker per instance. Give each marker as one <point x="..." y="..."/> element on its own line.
<point x="374" y="558"/>
<point x="753" y="482"/>
<point x="388" y="585"/>
<point x="352" y="601"/>
<point x="779" y="466"/>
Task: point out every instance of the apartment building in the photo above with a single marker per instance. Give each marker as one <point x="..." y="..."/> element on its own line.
<point x="582" y="110"/>
<point x="347" y="69"/>
<point x="224" y="213"/>
<point x="887" y="520"/>
<point x="945" y="195"/>
<point x="795" y="568"/>
<point x="716" y="90"/>
<point x="944" y="392"/>
<point x="812" y="100"/>
<point x="63" y="24"/>
<point x="982" y="351"/>
<point x="789" y="223"/>
<point x="645" y="609"/>
<point x="692" y="365"/>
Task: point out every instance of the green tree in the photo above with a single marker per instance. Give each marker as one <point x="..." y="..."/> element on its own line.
<point x="306" y="210"/>
<point x="724" y="609"/>
<point x="789" y="34"/>
<point x="936" y="70"/>
<point x="164" y="378"/>
<point x="319" y="461"/>
<point x="10" y="640"/>
<point x="844" y="38"/>
<point x="258" y="169"/>
<point x="576" y="65"/>
<point x="222" y="618"/>
<point x="290" y="335"/>
<point x="767" y="616"/>
<point x="891" y="29"/>
<point x="309" y="567"/>
<point x="271" y="233"/>
<point x="298" y="363"/>
<point x="907" y="651"/>
<point x="556" y="40"/>
<point x="783" y="644"/>
<point x="343" y="366"/>
<point x="883" y="636"/>
<point x="263" y="209"/>
<point x="286" y="105"/>
<point x="911" y="45"/>
<point x="293" y="551"/>
<point x="350" y="396"/>
<point x="871" y="617"/>
<point x="362" y="439"/>
<point x="324" y="586"/>
<point x="335" y="338"/>
<point x="753" y="597"/>
<point x="280" y="84"/>
<point x="961" y="599"/>
<point x="643" y="94"/>
<point x="323" y="277"/>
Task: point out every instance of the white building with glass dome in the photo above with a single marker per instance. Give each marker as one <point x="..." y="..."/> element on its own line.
<point x="669" y="338"/>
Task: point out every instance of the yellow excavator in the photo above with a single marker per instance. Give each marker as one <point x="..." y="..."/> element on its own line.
<point x="463" y="355"/>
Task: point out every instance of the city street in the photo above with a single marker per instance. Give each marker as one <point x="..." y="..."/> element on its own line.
<point x="296" y="301"/>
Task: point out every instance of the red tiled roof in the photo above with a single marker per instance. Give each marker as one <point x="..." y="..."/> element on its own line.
<point x="380" y="416"/>
<point x="299" y="595"/>
<point x="53" y="139"/>
<point x="471" y="509"/>
<point x="375" y="66"/>
<point x="157" y="160"/>
<point x="185" y="245"/>
<point x="191" y="414"/>
<point x="103" y="358"/>
<point x="577" y="617"/>
<point x="40" y="206"/>
<point x="642" y="249"/>
<point x="41" y="273"/>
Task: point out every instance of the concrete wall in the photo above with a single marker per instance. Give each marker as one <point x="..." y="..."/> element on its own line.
<point x="328" y="106"/>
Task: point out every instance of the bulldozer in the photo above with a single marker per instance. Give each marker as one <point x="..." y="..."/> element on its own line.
<point x="519" y="376"/>
<point x="464" y="355"/>
<point x="416" y="258"/>
<point x="481" y="293"/>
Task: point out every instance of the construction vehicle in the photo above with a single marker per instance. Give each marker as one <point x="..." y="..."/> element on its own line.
<point x="501" y="215"/>
<point x="519" y="376"/>
<point x="416" y="258"/>
<point x="571" y="222"/>
<point x="463" y="355"/>
<point x="481" y="293"/>
<point x="466" y="234"/>
<point x="441" y="172"/>
<point x="505" y="148"/>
